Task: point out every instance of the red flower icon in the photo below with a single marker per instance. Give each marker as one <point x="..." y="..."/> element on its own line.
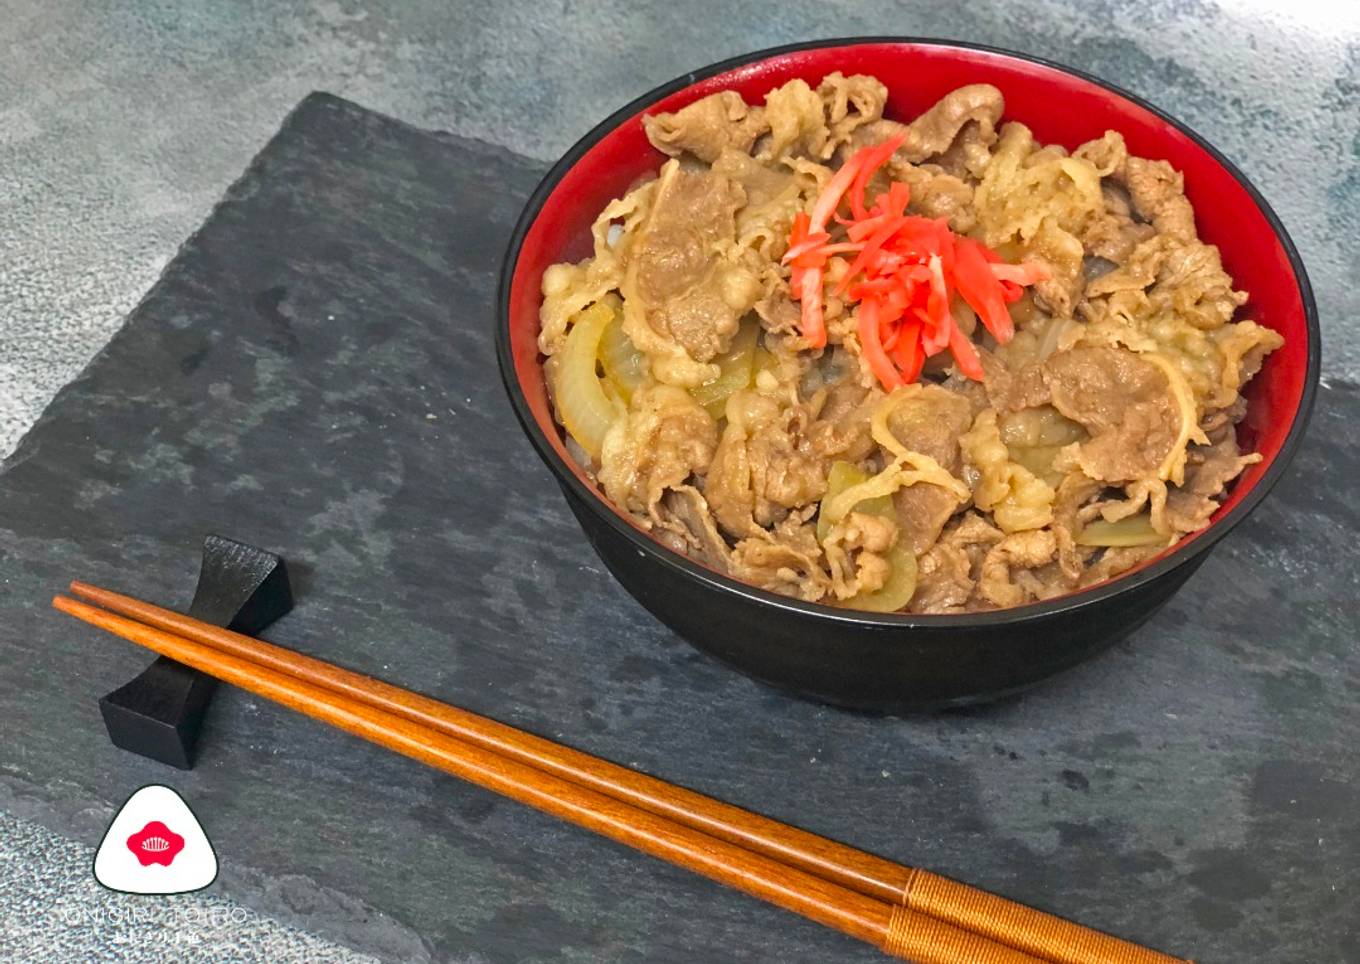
<point x="155" y="844"/>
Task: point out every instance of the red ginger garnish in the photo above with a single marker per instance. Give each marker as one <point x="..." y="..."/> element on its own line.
<point x="905" y="274"/>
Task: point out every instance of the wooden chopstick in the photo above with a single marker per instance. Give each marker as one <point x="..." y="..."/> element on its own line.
<point x="1034" y="932"/>
<point x="893" y="928"/>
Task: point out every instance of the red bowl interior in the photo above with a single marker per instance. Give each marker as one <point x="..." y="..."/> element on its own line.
<point x="1058" y="106"/>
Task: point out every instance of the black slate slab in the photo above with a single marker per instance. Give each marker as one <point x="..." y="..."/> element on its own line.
<point x="314" y="374"/>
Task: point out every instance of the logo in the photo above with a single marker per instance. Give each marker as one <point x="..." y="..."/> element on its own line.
<point x="155" y="845"/>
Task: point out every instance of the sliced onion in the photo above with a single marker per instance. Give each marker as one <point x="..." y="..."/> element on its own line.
<point x="1134" y="530"/>
<point x="582" y="404"/>
<point x="842" y="476"/>
<point x="1054" y="333"/>
<point x="1038" y="459"/>
<point x="624" y="365"/>
<point x="897" y="591"/>
<point x="1173" y="466"/>
<point x="736" y="369"/>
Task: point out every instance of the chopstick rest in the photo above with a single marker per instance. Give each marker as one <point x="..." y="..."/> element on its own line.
<point x="158" y="713"/>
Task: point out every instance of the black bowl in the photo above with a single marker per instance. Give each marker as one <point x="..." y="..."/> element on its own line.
<point x="897" y="662"/>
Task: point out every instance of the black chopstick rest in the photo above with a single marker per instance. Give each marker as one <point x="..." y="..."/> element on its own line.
<point x="158" y="714"/>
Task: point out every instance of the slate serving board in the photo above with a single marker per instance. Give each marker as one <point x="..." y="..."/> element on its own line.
<point x="314" y="374"/>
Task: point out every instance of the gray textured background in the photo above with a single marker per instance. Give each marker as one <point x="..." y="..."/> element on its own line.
<point x="121" y="124"/>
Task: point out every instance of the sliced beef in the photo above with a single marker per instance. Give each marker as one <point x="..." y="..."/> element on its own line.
<point x="1244" y="346"/>
<point x="1158" y="194"/>
<point x="929" y="423"/>
<point x="1019" y="550"/>
<point x="687" y="525"/>
<point x="774" y="195"/>
<point x="1192" y="283"/>
<point x="683" y="297"/>
<point x="779" y="314"/>
<point x="797" y="123"/>
<point x="1061" y="252"/>
<point x="932" y="133"/>
<point x="1011" y="388"/>
<point x="1112" y="562"/>
<point x="763" y="183"/>
<point x="1107" y="153"/>
<point x="1208" y="470"/>
<point x="943" y="580"/>
<point x="785" y="560"/>
<point x="764" y="466"/>
<point x="1114" y="234"/>
<point x="850" y="102"/>
<point x="1073" y="493"/>
<point x="856" y="550"/>
<point x="841" y="430"/>
<point x="1124" y="402"/>
<point x="1155" y="189"/>
<point x="968" y="157"/>
<point x="811" y="124"/>
<point x="707" y="127"/>
<point x="938" y="194"/>
<point x="1183" y="279"/>
<point x="947" y="572"/>
<point x="665" y="437"/>
<point x="1042" y="582"/>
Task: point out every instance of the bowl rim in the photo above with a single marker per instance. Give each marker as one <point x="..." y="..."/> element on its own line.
<point x="682" y="565"/>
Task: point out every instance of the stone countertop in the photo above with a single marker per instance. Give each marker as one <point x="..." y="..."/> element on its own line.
<point x="119" y="129"/>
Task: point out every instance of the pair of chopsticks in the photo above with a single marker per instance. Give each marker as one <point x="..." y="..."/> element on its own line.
<point x="907" y="912"/>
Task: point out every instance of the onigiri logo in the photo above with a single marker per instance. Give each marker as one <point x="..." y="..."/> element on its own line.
<point x="155" y="845"/>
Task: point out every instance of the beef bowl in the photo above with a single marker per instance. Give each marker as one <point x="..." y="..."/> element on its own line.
<point x="1140" y="263"/>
